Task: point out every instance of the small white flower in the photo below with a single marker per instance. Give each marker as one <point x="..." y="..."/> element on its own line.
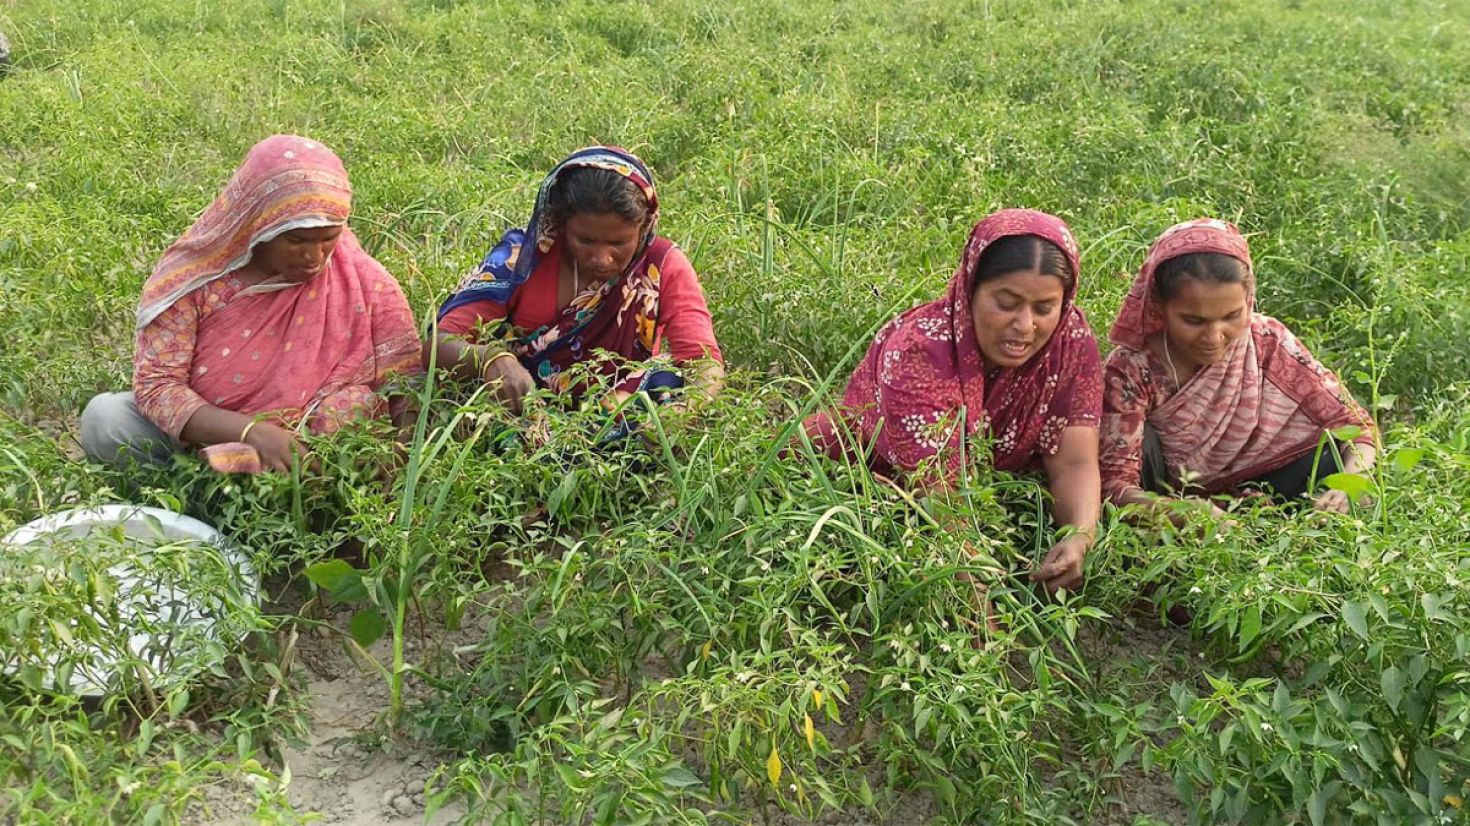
<point x="959" y="689"/>
<point x="31" y="186"/>
<point x="1195" y="590"/>
<point x="944" y="646"/>
<point x="1266" y="728"/>
<point x="905" y="686"/>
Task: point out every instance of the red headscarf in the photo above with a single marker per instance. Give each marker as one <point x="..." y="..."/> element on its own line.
<point x="924" y="369"/>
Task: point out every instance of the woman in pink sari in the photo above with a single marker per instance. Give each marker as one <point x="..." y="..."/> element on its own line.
<point x="1003" y="367"/>
<point x="1205" y="396"/>
<point x="264" y="320"/>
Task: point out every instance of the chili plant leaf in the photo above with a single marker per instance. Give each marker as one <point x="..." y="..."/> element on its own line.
<point x="1353" y="484"/>
<point x="1392" y="681"/>
<point x="339" y="579"/>
<point x="1405" y="458"/>
<point x="1356" y="616"/>
<point x="367" y="626"/>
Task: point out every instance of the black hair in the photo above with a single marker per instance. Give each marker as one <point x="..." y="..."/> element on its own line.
<point x="590" y="189"/>
<point x="1210" y="267"/>
<point x="1015" y="253"/>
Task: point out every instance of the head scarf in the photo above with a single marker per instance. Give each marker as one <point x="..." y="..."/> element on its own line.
<point x="286" y="182"/>
<point x="1140" y="318"/>
<point x="1264" y="403"/>
<point x="925" y="367"/>
<point x="619" y="316"/>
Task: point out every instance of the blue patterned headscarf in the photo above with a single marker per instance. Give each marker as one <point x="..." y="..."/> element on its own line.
<point x="510" y="263"/>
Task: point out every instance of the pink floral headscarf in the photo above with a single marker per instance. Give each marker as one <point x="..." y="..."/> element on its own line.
<point x="925" y="367"/>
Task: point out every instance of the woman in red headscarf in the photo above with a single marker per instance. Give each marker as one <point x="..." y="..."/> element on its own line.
<point x="265" y="319"/>
<point x="1005" y="361"/>
<point x="1203" y="395"/>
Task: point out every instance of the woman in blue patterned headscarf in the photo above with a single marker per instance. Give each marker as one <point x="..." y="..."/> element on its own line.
<point x="587" y="274"/>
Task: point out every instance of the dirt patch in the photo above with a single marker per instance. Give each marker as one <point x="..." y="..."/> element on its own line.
<point x="345" y="772"/>
<point x="1141" y="650"/>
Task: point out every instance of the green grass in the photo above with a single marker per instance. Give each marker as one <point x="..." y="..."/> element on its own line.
<point x="674" y="611"/>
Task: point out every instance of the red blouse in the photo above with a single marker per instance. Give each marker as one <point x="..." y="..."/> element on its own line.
<point x="684" y="317"/>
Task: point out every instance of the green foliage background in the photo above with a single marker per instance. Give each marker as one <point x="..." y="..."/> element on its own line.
<point x="822" y="164"/>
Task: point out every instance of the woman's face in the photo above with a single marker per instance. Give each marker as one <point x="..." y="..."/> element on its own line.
<point x="298" y="255"/>
<point x="1015" y="315"/>
<point x="600" y="244"/>
<point x="1204" y="318"/>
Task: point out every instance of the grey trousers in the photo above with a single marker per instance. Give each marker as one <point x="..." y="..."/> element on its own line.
<point x="115" y="432"/>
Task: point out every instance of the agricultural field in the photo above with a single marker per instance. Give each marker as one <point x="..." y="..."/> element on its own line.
<point x="711" y="627"/>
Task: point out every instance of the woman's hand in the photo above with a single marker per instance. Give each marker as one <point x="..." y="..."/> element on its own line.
<point x="1358" y="458"/>
<point x="1180" y="511"/>
<point x="278" y="447"/>
<point x="509" y="381"/>
<point x="1062" y="567"/>
<point x="1332" y="501"/>
<point x="1076" y="489"/>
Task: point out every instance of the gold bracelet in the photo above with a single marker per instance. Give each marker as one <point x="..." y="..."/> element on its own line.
<point x="498" y="356"/>
<point x="246" y="430"/>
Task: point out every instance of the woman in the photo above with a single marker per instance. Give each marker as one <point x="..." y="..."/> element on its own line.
<point x="1206" y="396"/>
<point x="587" y="274"/>
<point x="264" y="319"/>
<point x="1005" y="356"/>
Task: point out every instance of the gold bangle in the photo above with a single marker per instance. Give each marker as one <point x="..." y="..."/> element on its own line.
<point x="498" y="356"/>
<point x="246" y="430"/>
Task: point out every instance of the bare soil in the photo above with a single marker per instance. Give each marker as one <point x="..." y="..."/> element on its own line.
<point x="346" y="772"/>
